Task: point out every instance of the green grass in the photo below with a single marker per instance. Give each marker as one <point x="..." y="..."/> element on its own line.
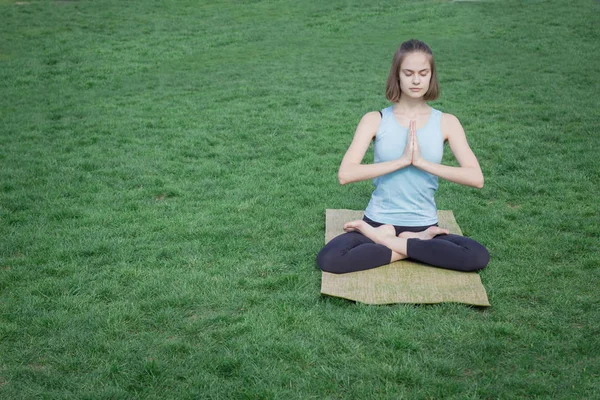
<point x="166" y="165"/>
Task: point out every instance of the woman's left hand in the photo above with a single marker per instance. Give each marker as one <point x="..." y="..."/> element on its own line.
<point x="416" y="156"/>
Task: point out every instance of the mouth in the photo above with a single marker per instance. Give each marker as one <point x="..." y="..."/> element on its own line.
<point x="415" y="89"/>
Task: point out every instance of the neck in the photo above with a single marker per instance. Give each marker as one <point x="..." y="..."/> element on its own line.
<point x="406" y="104"/>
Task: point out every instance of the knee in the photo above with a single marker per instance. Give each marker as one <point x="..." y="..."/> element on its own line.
<point x="478" y="259"/>
<point x="329" y="260"/>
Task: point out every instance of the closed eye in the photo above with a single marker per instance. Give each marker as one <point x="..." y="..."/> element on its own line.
<point x="422" y="74"/>
<point x="410" y="71"/>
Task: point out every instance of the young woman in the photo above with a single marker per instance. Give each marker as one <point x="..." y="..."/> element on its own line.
<point x="401" y="218"/>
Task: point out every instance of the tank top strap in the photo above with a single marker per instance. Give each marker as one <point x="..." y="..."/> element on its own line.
<point x="384" y="112"/>
<point x="436" y="116"/>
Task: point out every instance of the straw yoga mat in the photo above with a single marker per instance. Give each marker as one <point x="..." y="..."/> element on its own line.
<point x="402" y="281"/>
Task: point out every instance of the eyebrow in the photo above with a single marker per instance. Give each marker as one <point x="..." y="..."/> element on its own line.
<point x="410" y="70"/>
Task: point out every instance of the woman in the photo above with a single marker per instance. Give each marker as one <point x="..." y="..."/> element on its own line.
<point x="401" y="218"/>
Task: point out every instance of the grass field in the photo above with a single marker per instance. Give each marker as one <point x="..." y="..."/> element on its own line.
<point x="165" y="170"/>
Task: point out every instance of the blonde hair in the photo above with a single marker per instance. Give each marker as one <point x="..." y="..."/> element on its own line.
<point x="392" y="88"/>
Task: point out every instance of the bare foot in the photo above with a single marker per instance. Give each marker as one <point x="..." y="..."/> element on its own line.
<point x="354" y="225"/>
<point x="427" y="234"/>
<point x="375" y="234"/>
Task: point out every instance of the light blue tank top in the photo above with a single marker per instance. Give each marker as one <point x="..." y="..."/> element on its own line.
<point x="406" y="197"/>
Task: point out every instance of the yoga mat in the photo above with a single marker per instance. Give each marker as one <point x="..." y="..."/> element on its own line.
<point x="402" y="281"/>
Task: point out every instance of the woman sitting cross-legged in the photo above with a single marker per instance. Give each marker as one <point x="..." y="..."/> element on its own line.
<point x="401" y="218"/>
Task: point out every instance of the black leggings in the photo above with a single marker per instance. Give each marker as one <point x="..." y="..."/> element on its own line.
<point x="353" y="251"/>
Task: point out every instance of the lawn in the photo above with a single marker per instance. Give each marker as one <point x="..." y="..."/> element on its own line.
<point x="165" y="167"/>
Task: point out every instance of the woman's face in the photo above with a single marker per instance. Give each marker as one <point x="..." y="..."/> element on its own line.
<point x="415" y="75"/>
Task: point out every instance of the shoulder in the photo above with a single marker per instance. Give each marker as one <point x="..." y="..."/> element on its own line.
<point x="450" y="126"/>
<point x="369" y="124"/>
<point x="450" y="121"/>
<point x="371" y="118"/>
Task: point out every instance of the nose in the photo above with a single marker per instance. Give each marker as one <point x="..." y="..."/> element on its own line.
<point x="416" y="79"/>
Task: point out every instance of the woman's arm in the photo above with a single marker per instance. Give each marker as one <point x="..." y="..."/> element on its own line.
<point x="469" y="173"/>
<point x="351" y="169"/>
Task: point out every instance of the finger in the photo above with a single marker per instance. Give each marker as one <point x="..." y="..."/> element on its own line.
<point x="412" y="141"/>
<point x="415" y="135"/>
